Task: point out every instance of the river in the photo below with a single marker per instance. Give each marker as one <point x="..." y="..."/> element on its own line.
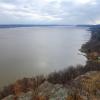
<point x="29" y="51"/>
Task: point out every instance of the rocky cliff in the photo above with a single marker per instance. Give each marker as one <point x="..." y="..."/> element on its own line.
<point x="84" y="87"/>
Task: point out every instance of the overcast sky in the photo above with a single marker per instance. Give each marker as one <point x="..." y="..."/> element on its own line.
<point x="49" y="11"/>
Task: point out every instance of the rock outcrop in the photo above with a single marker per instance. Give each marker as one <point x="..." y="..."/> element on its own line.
<point x="46" y="91"/>
<point x="87" y="86"/>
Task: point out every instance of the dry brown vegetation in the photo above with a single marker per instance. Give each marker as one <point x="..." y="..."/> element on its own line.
<point x="23" y="85"/>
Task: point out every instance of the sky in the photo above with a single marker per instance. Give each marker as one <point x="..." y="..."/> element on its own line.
<point x="61" y="12"/>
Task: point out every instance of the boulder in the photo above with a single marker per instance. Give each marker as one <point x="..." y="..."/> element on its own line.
<point x="53" y="92"/>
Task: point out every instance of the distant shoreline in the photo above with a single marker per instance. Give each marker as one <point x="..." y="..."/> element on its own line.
<point x="26" y="25"/>
<point x="16" y="25"/>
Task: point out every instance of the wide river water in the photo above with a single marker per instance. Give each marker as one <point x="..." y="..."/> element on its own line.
<point x="29" y="51"/>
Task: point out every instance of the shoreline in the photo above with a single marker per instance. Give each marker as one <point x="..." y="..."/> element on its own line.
<point x="92" y="47"/>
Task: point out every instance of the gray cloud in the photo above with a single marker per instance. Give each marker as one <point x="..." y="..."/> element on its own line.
<point x="49" y="12"/>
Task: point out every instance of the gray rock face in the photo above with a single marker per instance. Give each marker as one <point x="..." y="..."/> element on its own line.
<point x="53" y="92"/>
